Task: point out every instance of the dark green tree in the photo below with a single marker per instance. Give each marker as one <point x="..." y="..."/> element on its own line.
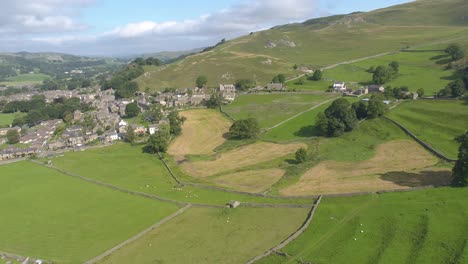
<point x="130" y="135"/>
<point x="420" y="92"/>
<point x="201" y="81"/>
<point x="214" y="101"/>
<point x="13" y="136"/>
<point x="381" y="75"/>
<point x="375" y="108"/>
<point x="460" y="170"/>
<point x="395" y="67"/>
<point x="280" y="78"/>
<point x="317" y="76"/>
<point x="245" y="129"/>
<point x="175" y="122"/>
<point x="132" y="110"/>
<point x="360" y="108"/>
<point x="301" y="155"/>
<point x="455" y="51"/>
<point x="244" y="84"/>
<point x="159" y="141"/>
<point x="338" y="118"/>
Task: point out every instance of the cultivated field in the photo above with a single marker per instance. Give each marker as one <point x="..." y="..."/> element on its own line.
<point x="206" y="235"/>
<point x="254" y="181"/>
<point x="202" y="132"/>
<point x="435" y="122"/>
<point x="271" y="109"/>
<point x="427" y="226"/>
<point x="241" y="157"/>
<point x="127" y="167"/>
<point x="396" y="165"/>
<point x="52" y="216"/>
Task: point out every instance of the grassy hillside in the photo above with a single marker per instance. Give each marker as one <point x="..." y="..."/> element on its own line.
<point x="317" y="43"/>
<point x="416" y="227"/>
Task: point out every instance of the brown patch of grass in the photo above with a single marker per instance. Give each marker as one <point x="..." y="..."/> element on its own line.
<point x="202" y="132"/>
<point x="240" y="157"/>
<point x="396" y="165"/>
<point x="250" y="181"/>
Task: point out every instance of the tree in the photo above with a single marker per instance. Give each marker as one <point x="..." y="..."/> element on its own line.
<point x="214" y="101"/>
<point x="455" y="51"/>
<point x="375" y="108"/>
<point x="301" y="155"/>
<point x="317" y="76"/>
<point x="338" y="118"/>
<point x="360" y="108"/>
<point x="280" y="78"/>
<point x="175" y="122"/>
<point x="130" y="135"/>
<point x="420" y="92"/>
<point x="454" y="89"/>
<point x="13" y="136"/>
<point x="244" y="84"/>
<point x="371" y="69"/>
<point x="201" y="81"/>
<point x="245" y="129"/>
<point x="460" y="170"/>
<point x="381" y="75"/>
<point x="132" y="110"/>
<point x="159" y="141"/>
<point x="395" y="66"/>
<point x="34" y="117"/>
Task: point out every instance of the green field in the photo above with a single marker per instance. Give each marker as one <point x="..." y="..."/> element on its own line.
<point x="52" y="216"/>
<point x="435" y="122"/>
<point x="127" y="167"/>
<point x="206" y="235"/>
<point x="427" y="226"/>
<point x="418" y="69"/>
<point x="6" y="119"/>
<point x="308" y="85"/>
<point x="26" y="79"/>
<point x="271" y="109"/>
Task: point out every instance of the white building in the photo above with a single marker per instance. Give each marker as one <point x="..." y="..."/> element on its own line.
<point x="339" y="86"/>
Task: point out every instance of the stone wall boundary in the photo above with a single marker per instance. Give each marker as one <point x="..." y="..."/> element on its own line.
<point x="422" y="143"/>
<point x="291" y="238"/>
<point x="139" y="235"/>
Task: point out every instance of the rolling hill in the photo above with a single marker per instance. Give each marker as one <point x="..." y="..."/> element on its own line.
<point x="317" y="43"/>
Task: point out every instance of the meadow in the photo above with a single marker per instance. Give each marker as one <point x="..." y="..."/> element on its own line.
<point x="426" y="226"/>
<point x="271" y="109"/>
<point x="26" y="79"/>
<point x="418" y="69"/>
<point x="210" y="235"/>
<point x="127" y="167"/>
<point x="51" y="216"/>
<point x="7" y="119"/>
<point x="435" y="122"/>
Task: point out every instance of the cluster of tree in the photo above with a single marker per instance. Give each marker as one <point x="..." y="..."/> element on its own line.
<point x="453" y="89"/>
<point x="148" y="61"/>
<point x="245" y="129"/>
<point x="212" y="47"/>
<point x="38" y="110"/>
<point x="214" y="101"/>
<point x="201" y="81"/>
<point x="153" y="115"/>
<point x="132" y="110"/>
<point x="317" y="76"/>
<point x="13" y="137"/>
<point x="383" y="74"/>
<point x="6" y="71"/>
<point x="159" y="141"/>
<point x="455" y="51"/>
<point x="122" y="82"/>
<point x="301" y="155"/>
<point x="280" y="78"/>
<point x="14" y="90"/>
<point x="342" y="116"/>
<point x="61" y="84"/>
<point x="460" y="170"/>
<point x="244" y="84"/>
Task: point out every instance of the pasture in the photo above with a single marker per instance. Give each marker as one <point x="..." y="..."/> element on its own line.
<point x="435" y="122"/>
<point x="418" y="69"/>
<point x="254" y="181"/>
<point x="26" y="79"/>
<point x="271" y="109"/>
<point x="48" y="215"/>
<point x="304" y="84"/>
<point x="127" y="167"/>
<point x="207" y="235"/>
<point x="396" y="165"/>
<point x="426" y="226"/>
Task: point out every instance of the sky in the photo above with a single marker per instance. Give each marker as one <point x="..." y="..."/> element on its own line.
<point x="123" y="27"/>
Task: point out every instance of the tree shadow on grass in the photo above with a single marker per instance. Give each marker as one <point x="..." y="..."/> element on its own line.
<point x="415" y="179"/>
<point x="439" y="57"/>
<point x="307" y="131"/>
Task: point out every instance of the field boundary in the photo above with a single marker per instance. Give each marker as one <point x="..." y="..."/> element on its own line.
<point x="299" y="114"/>
<point x="292" y="237"/>
<point x="422" y="143"/>
<point x="139" y="235"/>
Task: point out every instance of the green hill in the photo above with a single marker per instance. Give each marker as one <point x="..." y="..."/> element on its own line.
<point x="317" y="43"/>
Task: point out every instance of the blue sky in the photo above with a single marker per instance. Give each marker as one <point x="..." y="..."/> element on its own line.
<point x="118" y="27"/>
